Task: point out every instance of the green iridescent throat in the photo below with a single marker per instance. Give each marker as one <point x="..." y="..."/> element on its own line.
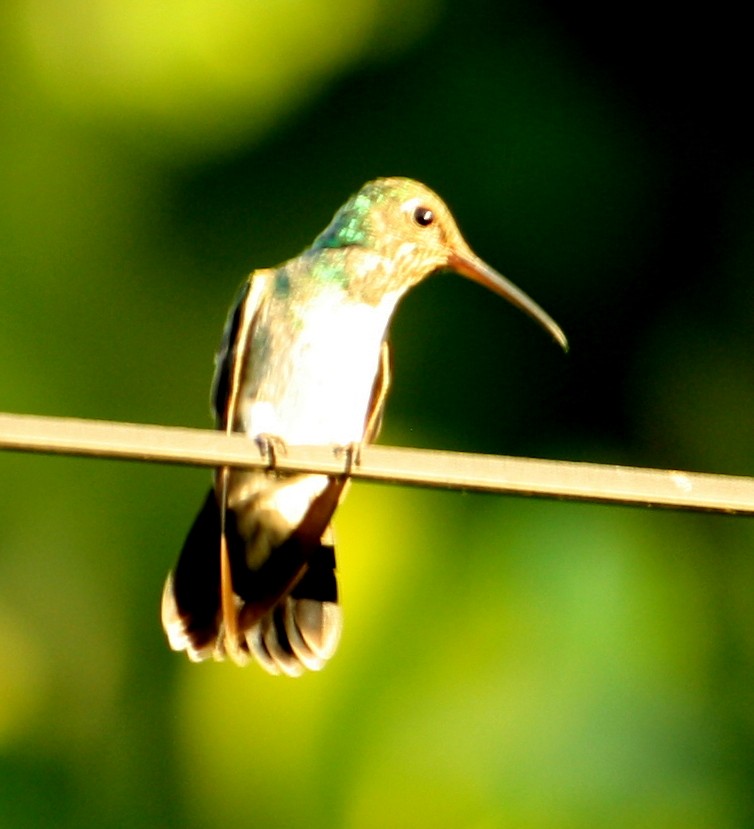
<point x="331" y="269"/>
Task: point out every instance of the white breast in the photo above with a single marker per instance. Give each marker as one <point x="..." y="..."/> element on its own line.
<point x="315" y="381"/>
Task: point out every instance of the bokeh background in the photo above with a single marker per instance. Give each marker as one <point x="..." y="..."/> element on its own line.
<point x="505" y="662"/>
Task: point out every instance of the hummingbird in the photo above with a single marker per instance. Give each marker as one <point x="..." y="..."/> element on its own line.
<point x="305" y="360"/>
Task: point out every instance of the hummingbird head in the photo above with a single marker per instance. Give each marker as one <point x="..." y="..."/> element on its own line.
<point x="408" y="225"/>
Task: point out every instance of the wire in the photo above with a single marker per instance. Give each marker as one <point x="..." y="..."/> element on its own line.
<point x="450" y="470"/>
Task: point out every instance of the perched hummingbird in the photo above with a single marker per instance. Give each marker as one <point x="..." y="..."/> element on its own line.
<point x="304" y="360"/>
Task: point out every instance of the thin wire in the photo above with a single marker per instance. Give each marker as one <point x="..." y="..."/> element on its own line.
<point x="451" y="470"/>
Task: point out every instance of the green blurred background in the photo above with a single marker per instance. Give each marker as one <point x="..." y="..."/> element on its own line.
<point x="505" y="662"/>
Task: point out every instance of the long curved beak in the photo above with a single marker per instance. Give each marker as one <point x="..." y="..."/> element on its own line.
<point x="471" y="266"/>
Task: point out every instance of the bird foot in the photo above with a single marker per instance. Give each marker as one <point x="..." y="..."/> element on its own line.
<point x="271" y="447"/>
<point x="352" y="454"/>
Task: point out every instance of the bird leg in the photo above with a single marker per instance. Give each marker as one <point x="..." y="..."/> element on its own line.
<point x="352" y="454"/>
<point x="271" y="446"/>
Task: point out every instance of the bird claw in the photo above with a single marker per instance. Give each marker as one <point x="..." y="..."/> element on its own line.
<point x="352" y="454"/>
<point x="271" y="446"/>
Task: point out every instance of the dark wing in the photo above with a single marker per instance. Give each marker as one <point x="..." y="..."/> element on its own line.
<point x="200" y="587"/>
<point x="240" y="321"/>
<point x="379" y="395"/>
<point x="224" y="359"/>
<point x="235" y="351"/>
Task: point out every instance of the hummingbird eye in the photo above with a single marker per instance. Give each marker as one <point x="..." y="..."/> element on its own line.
<point x="423" y="216"/>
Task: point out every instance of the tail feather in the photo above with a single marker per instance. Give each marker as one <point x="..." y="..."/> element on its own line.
<point x="288" y="617"/>
<point x="191" y="598"/>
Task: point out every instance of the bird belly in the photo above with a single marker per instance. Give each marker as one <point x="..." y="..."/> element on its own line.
<point x="315" y="386"/>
